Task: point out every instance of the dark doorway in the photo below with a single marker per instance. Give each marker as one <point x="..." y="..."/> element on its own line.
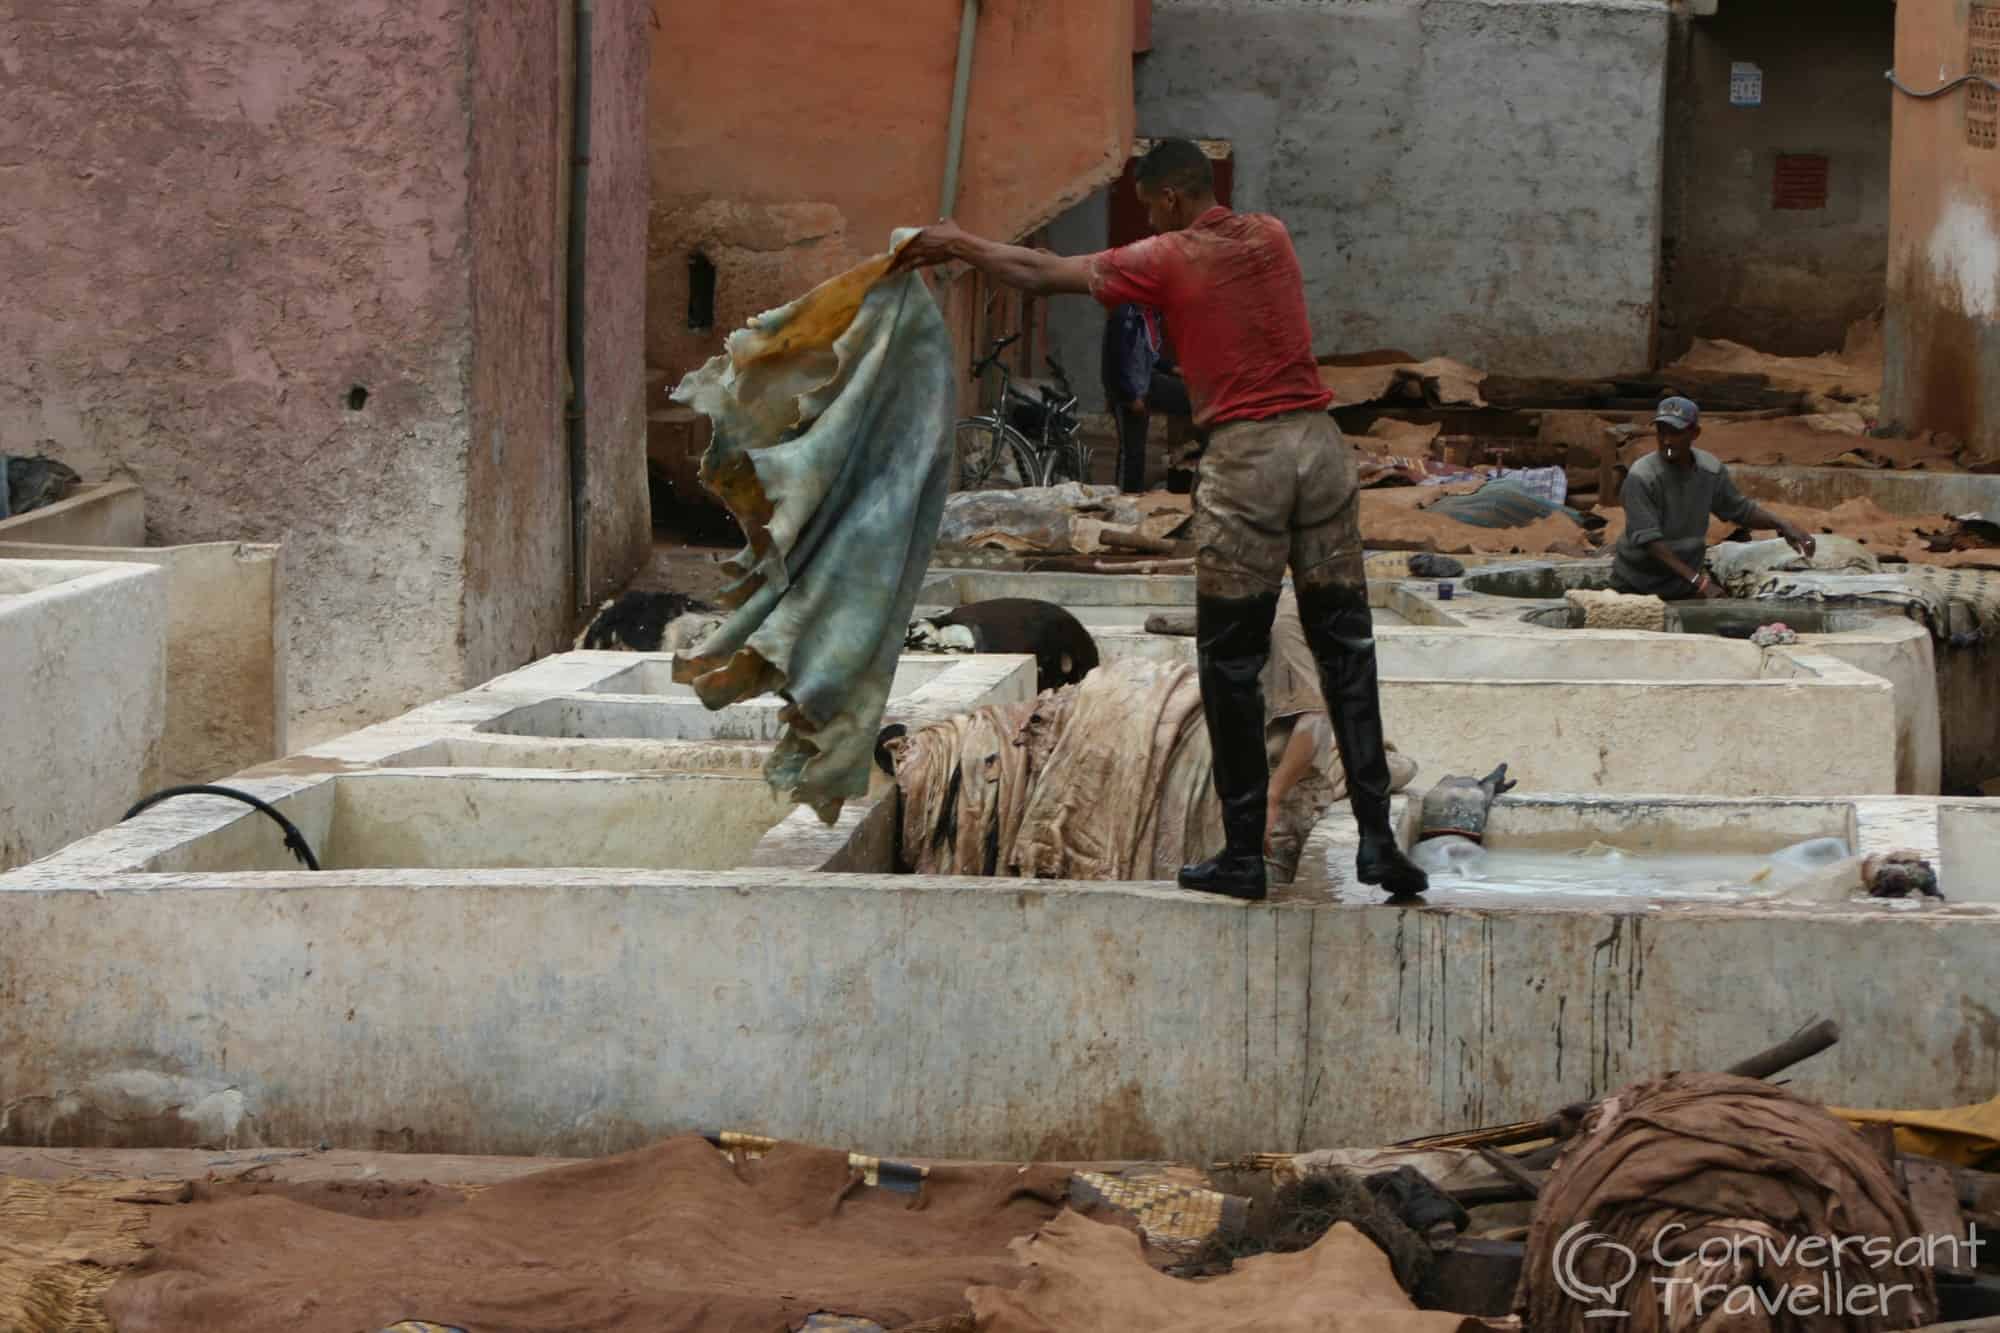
<point x="1777" y="228"/>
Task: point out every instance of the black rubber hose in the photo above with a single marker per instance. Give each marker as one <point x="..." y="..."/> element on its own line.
<point x="1941" y="89"/>
<point x="293" y="838"/>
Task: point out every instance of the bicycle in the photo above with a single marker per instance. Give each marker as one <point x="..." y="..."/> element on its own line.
<point x="1026" y="439"/>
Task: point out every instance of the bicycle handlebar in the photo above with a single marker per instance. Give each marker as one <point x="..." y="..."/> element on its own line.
<point x="993" y="354"/>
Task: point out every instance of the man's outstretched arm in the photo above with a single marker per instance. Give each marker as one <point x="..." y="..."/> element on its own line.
<point x="1031" y="271"/>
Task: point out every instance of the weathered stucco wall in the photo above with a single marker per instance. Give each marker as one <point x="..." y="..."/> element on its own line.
<point x="295" y="269"/>
<point x="517" y="573"/>
<point x="617" y="508"/>
<point x="218" y="221"/>
<point x="844" y="138"/>
<point x="1473" y="177"/>
<point x="1943" y="326"/>
<point x="1788" y="281"/>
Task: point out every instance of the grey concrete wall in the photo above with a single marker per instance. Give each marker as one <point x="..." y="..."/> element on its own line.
<point x="1478" y="178"/>
<point x="1786" y="281"/>
<point x="1076" y="325"/>
<point x="591" y="1011"/>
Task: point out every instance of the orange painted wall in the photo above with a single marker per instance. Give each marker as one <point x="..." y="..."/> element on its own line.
<point x="1943" y="327"/>
<point x="788" y="138"/>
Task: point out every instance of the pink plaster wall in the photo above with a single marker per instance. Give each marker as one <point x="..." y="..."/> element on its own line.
<point x="789" y="138"/>
<point x="1942" y="332"/>
<point x="214" y="220"/>
<point x="218" y="217"/>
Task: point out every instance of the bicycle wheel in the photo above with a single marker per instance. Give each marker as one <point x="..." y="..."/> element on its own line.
<point x="992" y="456"/>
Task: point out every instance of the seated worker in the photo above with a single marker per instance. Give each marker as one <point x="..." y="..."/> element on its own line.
<point x="1139" y="378"/>
<point x="1306" y="774"/>
<point x="1668" y="499"/>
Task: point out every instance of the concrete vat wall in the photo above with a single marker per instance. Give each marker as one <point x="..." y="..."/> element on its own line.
<point x="845" y="140"/>
<point x="1969" y="849"/>
<point x="109" y="513"/>
<point x="83" y="649"/>
<point x="451" y="820"/>
<point x="243" y="243"/>
<point x="592" y="1011"/>
<point x="1606" y="711"/>
<point x="226" y="679"/>
<point x="1662" y="733"/>
<point x="1463" y="177"/>
<point x="1928" y="493"/>
<point x="1943" y="328"/>
<point x="1788" y="281"/>
<point x="1882" y="644"/>
<point x="1422" y="649"/>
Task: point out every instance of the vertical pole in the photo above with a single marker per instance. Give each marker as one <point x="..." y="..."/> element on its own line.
<point x="968" y="28"/>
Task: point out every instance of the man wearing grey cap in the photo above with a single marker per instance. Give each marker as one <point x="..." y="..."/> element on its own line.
<point x="1668" y="499"/>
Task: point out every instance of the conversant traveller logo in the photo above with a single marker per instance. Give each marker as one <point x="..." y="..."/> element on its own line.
<point x="1711" y="1276"/>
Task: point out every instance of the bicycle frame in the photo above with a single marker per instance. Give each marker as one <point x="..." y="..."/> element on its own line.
<point x="1058" y="444"/>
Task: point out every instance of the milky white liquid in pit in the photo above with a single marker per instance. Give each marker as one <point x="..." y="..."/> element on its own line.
<point x="1600" y="870"/>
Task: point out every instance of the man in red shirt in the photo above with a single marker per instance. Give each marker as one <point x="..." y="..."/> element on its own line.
<point x="1277" y="488"/>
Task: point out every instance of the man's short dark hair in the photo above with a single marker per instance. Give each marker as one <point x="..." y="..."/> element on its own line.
<point x="1177" y="164"/>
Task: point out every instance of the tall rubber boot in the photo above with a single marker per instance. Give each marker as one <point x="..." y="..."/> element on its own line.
<point x="1233" y="638"/>
<point x="1341" y="634"/>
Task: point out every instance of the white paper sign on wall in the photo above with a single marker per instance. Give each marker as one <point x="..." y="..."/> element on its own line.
<point x="1746" y="84"/>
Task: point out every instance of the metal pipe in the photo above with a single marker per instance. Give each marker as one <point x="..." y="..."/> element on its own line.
<point x="576" y="314"/>
<point x="968" y="28"/>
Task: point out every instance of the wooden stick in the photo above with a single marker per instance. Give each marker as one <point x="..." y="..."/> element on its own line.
<point x="1513" y="1170"/>
<point x="1131" y="539"/>
<point x="1803" y="1045"/>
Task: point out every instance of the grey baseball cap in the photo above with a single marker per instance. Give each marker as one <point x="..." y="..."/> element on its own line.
<point x="1680" y="413"/>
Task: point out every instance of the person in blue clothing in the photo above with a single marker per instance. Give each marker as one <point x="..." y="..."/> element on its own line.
<point x="1139" y="379"/>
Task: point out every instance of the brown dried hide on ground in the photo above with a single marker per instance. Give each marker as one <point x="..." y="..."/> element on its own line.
<point x="1735" y="1163"/>
<point x="1087" y="1275"/>
<point x="1392" y="521"/>
<point x="672" y="1237"/>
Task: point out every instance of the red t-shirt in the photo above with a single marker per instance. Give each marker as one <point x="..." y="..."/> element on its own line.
<point x="1235" y="304"/>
